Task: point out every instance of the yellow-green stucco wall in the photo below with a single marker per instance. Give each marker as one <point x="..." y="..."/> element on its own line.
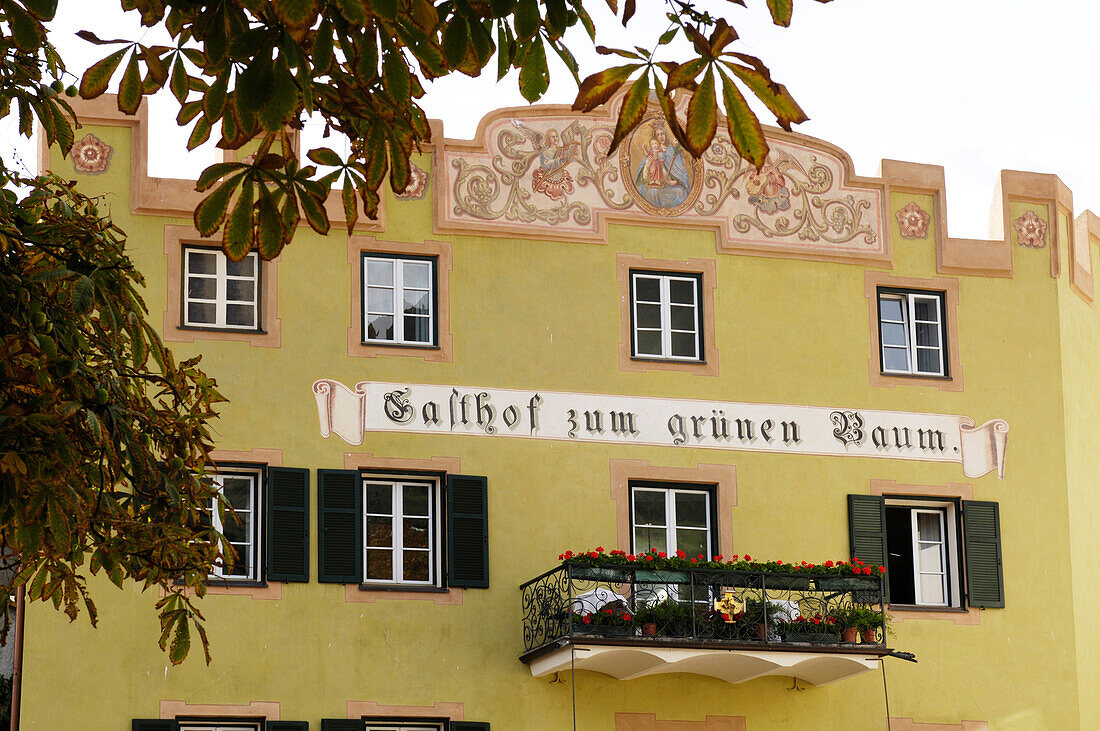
<point x="536" y="314"/>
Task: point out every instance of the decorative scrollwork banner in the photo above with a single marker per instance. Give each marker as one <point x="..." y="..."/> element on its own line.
<point x="433" y="409"/>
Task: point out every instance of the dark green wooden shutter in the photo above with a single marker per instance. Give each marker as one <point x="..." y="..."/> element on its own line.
<point x="468" y="531"/>
<point x="146" y="724"/>
<point x="982" y="547"/>
<point x="287" y="524"/>
<point x="469" y="726"/>
<point x="867" y="531"/>
<point x="340" y="509"/>
<point x="287" y="726"/>
<point x="343" y="724"/>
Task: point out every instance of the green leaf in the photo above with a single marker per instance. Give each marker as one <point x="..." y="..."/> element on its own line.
<point x="456" y="38"/>
<point x="702" y="116"/>
<point x="351" y="206"/>
<point x="83" y="295"/>
<point x="775" y="96"/>
<point x="683" y="76"/>
<point x="668" y="35"/>
<point x="534" y="76"/>
<point x="354" y="11"/>
<point x="506" y="50"/>
<point x="295" y="13"/>
<point x="384" y="9"/>
<point x="632" y="110"/>
<point x="213" y="101"/>
<point x="316" y="215"/>
<point x="237" y="237"/>
<point x="59" y="526"/>
<point x="527" y="19"/>
<point x="325" y="156"/>
<point x="211" y="211"/>
<point x="744" y="128"/>
<point x="216" y="172"/>
<point x="781" y="11"/>
<point x="180" y="83"/>
<point x="282" y="99"/>
<point x="395" y="74"/>
<point x="270" y="227"/>
<point x="98" y="77"/>
<point x="26" y="32"/>
<point x="322" y="48"/>
<point x="200" y="134"/>
<point x="42" y="9"/>
<point x="255" y="85"/>
<point x="129" y="89"/>
<point x="181" y="642"/>
<point x="601" y="86"/>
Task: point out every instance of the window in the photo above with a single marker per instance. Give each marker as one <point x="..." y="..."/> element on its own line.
<point x="219" y="726"/>
<point x="418" y="531"/>
<point x="403" y="726"/>
<point x="922" y="553"/>
<point x="671" y="518"/>
<point x="666" y="316"/>
<point x="241" y="490"/>
<point x="912" y="332"/>
<point x="399" y="300"/>
<point x="219" y="293"/>
<point x="938" y="553"/>
<point x="401" y="531"/>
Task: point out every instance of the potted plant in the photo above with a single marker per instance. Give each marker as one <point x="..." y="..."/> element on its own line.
<point x="846" y="622"/>
<point x="613" y="618"/>
<point x="672" y="618"/>
<point x="814" y="628"/>
<point x="763" y="616"/>
<point x="867" y="621"/>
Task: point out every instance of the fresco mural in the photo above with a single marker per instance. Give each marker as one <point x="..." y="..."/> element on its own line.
<point x="548" y="173"/>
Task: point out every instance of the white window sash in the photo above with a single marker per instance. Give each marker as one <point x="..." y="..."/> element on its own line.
<point x="942" y="544"/>
<point x="664" y="282"/>
<point x="397" y="300"/>
<point x="909" y="322"/>
<point x="397" y="535"/>
<point x="221" y="299"/>
<point x="255" y="511"/>
<point x="671" y="526"/>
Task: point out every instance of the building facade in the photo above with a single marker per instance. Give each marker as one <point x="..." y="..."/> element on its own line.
<point x="540" y="347"/>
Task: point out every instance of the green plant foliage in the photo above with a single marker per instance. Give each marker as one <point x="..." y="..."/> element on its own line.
<point x="103" y="435"/>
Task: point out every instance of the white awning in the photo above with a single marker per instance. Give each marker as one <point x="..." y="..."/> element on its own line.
<point x="732" y="666"/>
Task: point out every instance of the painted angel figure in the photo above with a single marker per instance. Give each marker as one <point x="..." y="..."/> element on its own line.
<point x="551" y="178"/>
<point x="767" y="188"/>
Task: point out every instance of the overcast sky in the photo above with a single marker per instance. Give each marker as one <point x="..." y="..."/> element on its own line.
<point x="974" y="85"/>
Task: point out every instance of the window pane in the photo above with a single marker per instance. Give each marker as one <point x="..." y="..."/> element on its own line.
<point x="893" y="334"/>
<point x="242" y="561"/>
<point x="241" y="290"/>
<point x="691" y="509"/>
<point x="240" y="315"/>
<point x="931" y="558"/>
<point x="648" y="316"/>
<point x="647" y="289"/>
<point x="889" y="309"/>
<point x="379" y="499"/>
<point x="931" y="589"/>
<point x="683" y="318"/>
<point x="238" y="492"/>
<point x="246" y="267"/>
<point x="204" y="288"/>
<point x="417" y="302"/>
<point x="928" y="360"/>
<point x="415" y="500"/>
<point x="380" y="272"/>
<point x="928" y="334"/>
<point x="681" y="291"/>
<point x="925" y="309"/>
<point x="895" y="359"/>
<point x="380" y="327"/>
<point x="415" y="566"/>
<point x="379" y="532"/>
<point x="415" y="533"/>
<point x="202" y="262"/>
<point x="692" y="542"/>
<point x="201" y="313"/>
<point x="379" y="564"/>
<point x="928" y="527"/>
<point x="379" y="300"/>
<point x="237" y="527"/>
<point x="418" y="275"/>
<point x="649" y="507"/>
<point x="683" y="345"/>
<point x="417" y="329"/>
<point x="649" y="538"/>
<point x="649" y="342"/>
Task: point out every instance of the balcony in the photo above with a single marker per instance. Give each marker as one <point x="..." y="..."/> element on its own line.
<point x="628" y="621"/>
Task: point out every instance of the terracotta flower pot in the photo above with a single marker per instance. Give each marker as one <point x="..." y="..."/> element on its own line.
<point x="851" y="634"/>
<point x="760" y="632"/>
<point x="869" y="636"/>
<point x="649" y="629"/>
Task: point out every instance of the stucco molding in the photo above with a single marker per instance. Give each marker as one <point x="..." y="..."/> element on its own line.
<point x="267" y="710"/>
<point x="373" y="709"/>
<point x="908" y="724"/>
<point x="707" y="269"/>
<point x="1086" y="232"/>
<point x="650" y="722"/>
<point x="724" y="477"/>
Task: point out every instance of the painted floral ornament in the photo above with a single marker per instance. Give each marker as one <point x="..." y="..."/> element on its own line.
<point x="418" y="184"/>
<point x="913" y="221"/>
<point x="91" y="155"/>
<point x="1031" y="230"/>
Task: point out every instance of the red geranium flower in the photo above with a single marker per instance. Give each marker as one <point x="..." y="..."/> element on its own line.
<point x="649" y="557"/>
<point x="747" y="557"/>
<point x="662" y="554"/>
<point x="630" y="557"/>
<point x="828" y="564"/>
<point x="680" y="554"/>
<point x="719" y="557"/>
<point x="586" y="619"/>
<point x="882" y="569"/>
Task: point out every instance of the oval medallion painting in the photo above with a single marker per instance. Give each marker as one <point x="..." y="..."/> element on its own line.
<point x="659" y="173"/>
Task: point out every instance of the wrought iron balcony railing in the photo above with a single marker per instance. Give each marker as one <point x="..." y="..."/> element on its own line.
<point x="720" y="608"/>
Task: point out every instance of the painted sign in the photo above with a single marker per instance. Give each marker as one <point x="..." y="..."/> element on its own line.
<point x="493" y="412"/>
